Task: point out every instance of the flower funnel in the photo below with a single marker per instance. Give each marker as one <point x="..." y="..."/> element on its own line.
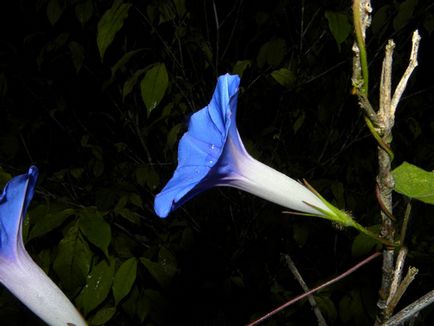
<point x="18" y="272"/>
<point x="211" y="153"/>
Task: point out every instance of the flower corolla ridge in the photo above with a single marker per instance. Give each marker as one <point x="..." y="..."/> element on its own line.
<point x="211" y="153"/>
<point x="18" y="272"/>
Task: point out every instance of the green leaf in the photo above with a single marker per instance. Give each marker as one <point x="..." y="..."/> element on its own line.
<point x="54" y="11"/>
<point x="271" y="53"/>
<point x="111" y="22"/>
<point x="154" y="85"/>
<point x="45" y="222"/>
<point x="124" y="60"/>
<point x="84" y="11"/>
<point x="73" y="260"/>
<point x="327" y="307"/>
<point x="351" y="308"/>
<point x="164" y="270"/>
<point x="95" y="228"/>
<point x="172" y="135"/>
<point x="240" y="66"/>
<point x="380" y="18"/>
<point x="102" y="316"/>
<point x="124" y="279"/>
<point x="98" y="286"/>
<point x="298" y="122"/>
<point x="414" y="182"/>
<point x="146" y="176"/>
<point x="339" y="25"/>
<point x="131" y="82"/>
<point x="284" y="77"/>
<point x="363" y="244"/>
<point x="77" y="54"/>
<point x="405" y="13"/>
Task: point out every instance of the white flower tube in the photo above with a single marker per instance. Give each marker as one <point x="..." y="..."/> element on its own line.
<point x="18" y="272"/>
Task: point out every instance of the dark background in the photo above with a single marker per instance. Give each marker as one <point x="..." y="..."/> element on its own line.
<point x="218" y="259"/>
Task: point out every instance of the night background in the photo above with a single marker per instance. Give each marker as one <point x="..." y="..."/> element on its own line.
<point x="103" y="126"/>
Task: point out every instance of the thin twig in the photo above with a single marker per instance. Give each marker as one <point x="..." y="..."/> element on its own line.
<point x="409" y="277"/>
<point x="397" y="274"/>
<point x="411" y="66"/>
<point x="411" y="310"/>
<point x="384" y="113"/>
<point x="304" y="295"/>
<point x="312" y="301"/>
<point x="405" y="223"/>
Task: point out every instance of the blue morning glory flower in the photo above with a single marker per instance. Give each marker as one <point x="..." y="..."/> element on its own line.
<point x="18" y="272"/>
<point x="211" y="154"/>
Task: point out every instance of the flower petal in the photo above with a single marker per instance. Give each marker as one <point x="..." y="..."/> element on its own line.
<point x="14" y="202"/>
<point x="219" y="107"/>
<point x="200" y="147"/>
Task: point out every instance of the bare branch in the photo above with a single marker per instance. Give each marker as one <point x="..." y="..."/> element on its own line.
<point x="312" y="301"/>
<point x="397" y="275"/>
<point x="411" y="66"/>
<point x="384" y="112"/>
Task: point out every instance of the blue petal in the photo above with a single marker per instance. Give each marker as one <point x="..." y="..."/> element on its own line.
<point x="200" y="147"/>
<point x="219" y="107"/>
<point x="14" y="201"/>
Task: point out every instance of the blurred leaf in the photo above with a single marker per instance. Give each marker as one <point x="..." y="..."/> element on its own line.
<point x="429" y="24"/>
<point x="111" y="22"/>
<point x="97" y="167"/>
<point x="271" y="53"/>
<point x="146" y="176"/>
<point x="414" y="182"/>
<point x="240" y="66"/>
<point x="351" y="309"/>
<point x="95" y="228"/>
<point x="164" y="270"/>
<point x="103" y="316"/>
<point x="48" y="221"/>
<point x="124" y="279"/>
<point x="77" y="54"/>
<point x="97" y="287"/>
<point x="154" y="85"/>
<point x="180" y="7"/>
<point x="136" y="200"/>
<point x="284" y="77"/>
<point x="338" y="191"/>
<point x="172" y="136"/>
<point x="167" y="11"/>
<point x="363" y="244"/>
<point x="84" y="11"/>
<point x="298" y="122"/>
<point x="131" y="82"/>
<point x="124" y="60"/>
<point x="54" y="10"/>
<point x="380" y="18"/>
<point x="73" y="260"/>
<point x="339" y="25"/>
<point x="405" y="13"/>
<point x="156" y="303"/>
<point x="327" y="307"/>
<point x="300" y="233"/>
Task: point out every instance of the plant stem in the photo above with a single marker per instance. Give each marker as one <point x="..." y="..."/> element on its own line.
<point x="304" y="295"/>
